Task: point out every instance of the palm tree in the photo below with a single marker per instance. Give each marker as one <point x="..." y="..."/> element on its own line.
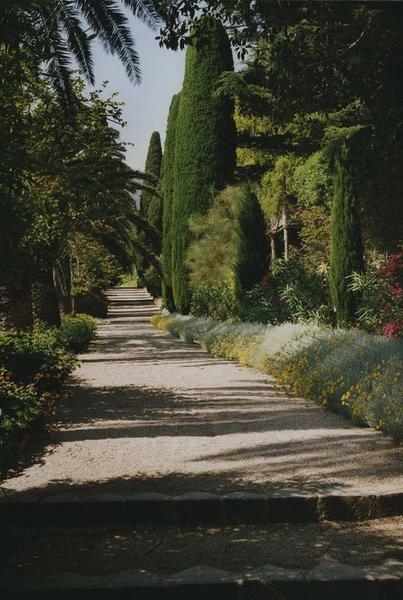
<point x="57" y="31"/>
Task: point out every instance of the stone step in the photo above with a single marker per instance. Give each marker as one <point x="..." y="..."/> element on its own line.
<point x="243" y="562"/>
<point x="194" y="508"/>
<point x="332" y="582"/>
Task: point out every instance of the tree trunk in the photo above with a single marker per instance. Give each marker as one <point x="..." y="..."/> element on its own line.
<point x="62" y="279"/>
<point x="16" y="303"/>
<point x="45" y="302"/>
<point x="285" y="233"/>
<point x="272" y="247"/>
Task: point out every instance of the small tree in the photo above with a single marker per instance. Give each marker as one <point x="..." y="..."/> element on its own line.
<point x="251" y="252"/>
<point x="167" y="190"/>
<point x="346" y="252"/>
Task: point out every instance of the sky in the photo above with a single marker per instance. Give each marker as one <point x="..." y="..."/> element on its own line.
<point x="146" y="104"/>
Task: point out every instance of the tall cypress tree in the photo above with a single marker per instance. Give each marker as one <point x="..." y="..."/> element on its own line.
<point x="167" y="190"/>
<point x="152" y="167"/>
<point x="147" y="200"/>
<point x="346" y="251"/>
<point x="251" y="244"/>
<point x="205" y="145"/>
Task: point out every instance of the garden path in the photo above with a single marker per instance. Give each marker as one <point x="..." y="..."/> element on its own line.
<point x="150" y="413"/>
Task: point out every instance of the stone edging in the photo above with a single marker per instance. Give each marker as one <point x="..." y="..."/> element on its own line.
<point x="330" y="577"/>
<point x="195" y="508"/>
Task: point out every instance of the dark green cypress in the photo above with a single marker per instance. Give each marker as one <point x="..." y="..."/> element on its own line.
<point x="148" y="202"/>
<point x="152" y="167"/>
<point x="346" y="251"/>
<point x="167" y="191"/>
<point x="205" y="145"/>
<point x="251" y="244"/>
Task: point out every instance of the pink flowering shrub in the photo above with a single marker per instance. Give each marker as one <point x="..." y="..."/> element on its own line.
<point x="393" y="267"/>
<point x="381" y="297"/>
<point x="393" y="329"/>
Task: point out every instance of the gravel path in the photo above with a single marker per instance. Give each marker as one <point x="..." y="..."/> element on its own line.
<point x="150" y="413"/>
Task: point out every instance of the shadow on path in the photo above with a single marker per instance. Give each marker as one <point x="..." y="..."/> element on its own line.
<point x="149" y="413"/>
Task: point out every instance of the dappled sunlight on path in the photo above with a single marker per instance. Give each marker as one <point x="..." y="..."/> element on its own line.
<point x="150" y="413"/>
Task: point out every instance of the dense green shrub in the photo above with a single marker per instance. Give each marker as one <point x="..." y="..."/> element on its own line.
<point x="33" y="368"/>
<point x="251" y="261"/>
<point x="215" y="301"/>
<point x="167" y="190"/>
<point x="152" y="281"/>
<point x="312" y="181"/>
<point x="93" y="267"/>
<point x="289" y="293"/>
<point x="357" y="374"/>
<point x="205" y="146"/>
<point x="346" y="252"/>
<point x="20" y="407"/>
<point x="277" y="187"/>
<point x="314" y="237"/>
<point x="39" y="357"/>
<point x="77" y="332"/>
<point x="210" y="257"/>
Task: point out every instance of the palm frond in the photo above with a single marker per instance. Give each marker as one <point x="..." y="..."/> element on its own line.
<point x="144" y="10"/>
<point x="59" y="65"/>
<point x="51" y="30"/>
<point x="77" y="39"/>
<point x="111" y="25"/>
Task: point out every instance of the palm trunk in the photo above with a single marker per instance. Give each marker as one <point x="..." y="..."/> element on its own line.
<point x="45" y="302"/>
<point x="16" y="303"/>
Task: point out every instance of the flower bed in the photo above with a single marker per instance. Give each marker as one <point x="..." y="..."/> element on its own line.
<point x="357" y="374"/>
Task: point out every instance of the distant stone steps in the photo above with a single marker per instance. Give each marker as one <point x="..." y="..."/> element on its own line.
<point x="130" y="304"/>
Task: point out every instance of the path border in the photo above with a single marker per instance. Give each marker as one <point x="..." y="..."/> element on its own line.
<point x="329" y="577"/>
<point x="195" y="508"/>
